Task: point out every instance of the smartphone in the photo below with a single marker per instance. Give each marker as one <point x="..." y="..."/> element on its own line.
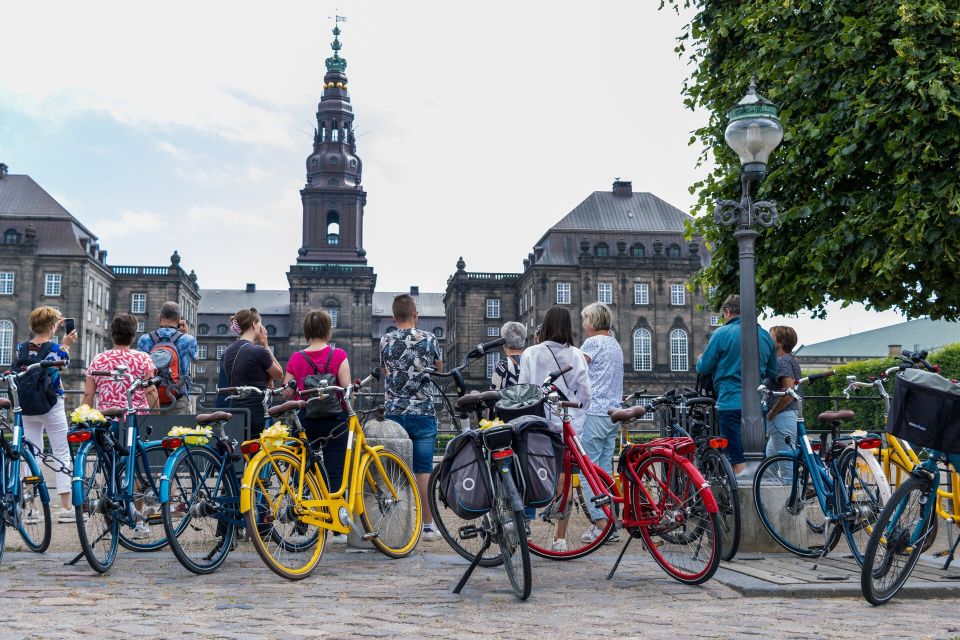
<point x="68" y="326"/>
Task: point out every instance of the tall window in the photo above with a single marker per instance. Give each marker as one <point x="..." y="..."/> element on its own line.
<point x="106" y="298"/>
<point x="491" y="363"/>
<point x="6" y="283"/>
<point x="90" y="291"/>
<point x="714" y="321"/>
<point x="52" y="284"/>
<point x="678" y="295"/>
<point x="333" y="227"/>
<point x="493" y="332"/>
<point x="334" y="315"/>
<point x="641" y="293"/>
<point x="6" y="343"/>
<point x="563" y="293"/>
<point x="99" y="295"/>
<point x="605" y="292"/>
<point x="493" y="307"/>
<point x="602" y="250"/>
<point x="678" y="350"/>
<point x="642" y="351"/>
<point x="201" y="352"/>
<point x="140" y="326"/>
<point x="220" y="349"/>
<point x="637" y="251"/>
<point x="673" y="251"/>
<point x="138" y="303"/>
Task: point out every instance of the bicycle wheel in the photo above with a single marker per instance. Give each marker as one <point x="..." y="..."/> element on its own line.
<point x="683" y="536"/>
<point x="719" y="473"/>
<point x="290" y="547"/>
<point x="787" y="504"/>
<point x="512" y="537"/>
<point x="197" y="518"/>
<point x="148" y="467"/>
<point x="35" y="524"/>
<point x="897" y="541"/>
<point x="97" y="524"/>
<point x="569" y="519"/>
<point x="862" y="488"/>
<point x="395" y="516"/>
<point x="449" y="524"/>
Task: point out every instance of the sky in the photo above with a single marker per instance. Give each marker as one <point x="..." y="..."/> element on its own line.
<point x="186" y="126"/>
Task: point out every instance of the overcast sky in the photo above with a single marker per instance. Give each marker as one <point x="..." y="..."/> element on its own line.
<point x="480" y="124"/>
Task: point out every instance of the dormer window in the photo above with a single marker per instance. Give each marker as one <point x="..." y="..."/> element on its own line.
<point x="601" y="250"/>
<point x="673" y="251"/>
<point x="11" y="236"/>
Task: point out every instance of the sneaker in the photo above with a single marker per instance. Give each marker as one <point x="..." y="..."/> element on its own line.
<point x="67" y="515"/>
<point x="591" y="534"/>
<point x="615" y="536"/>
<point x="559" y="545"/>
<point x="141" y="531"/>
<point x="339" y="538"/>
<point x="430" y="532"/>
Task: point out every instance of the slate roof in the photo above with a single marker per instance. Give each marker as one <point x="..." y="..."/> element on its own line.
<point x="640" y="212"/>
<point x="429" y="304"/>
<point x="20" y="196"/>
<point x="229" y="301"/>
<point x="922" y="333"/>
<point x="23" y="202"/>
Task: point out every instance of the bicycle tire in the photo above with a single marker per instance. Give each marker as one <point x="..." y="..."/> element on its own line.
<point x="35" y="535"/>
<point x="449" y="524"/>
<point x="718" y="471"/>
<point x="788" y="508"/>
<point x="262" y="522"/>
<point x="864" y="495"/>
<point x="545" y="526"/>
<point x="512" y="536"/>
<point x="901" y="516"/>
<point x="380" y="513"/>
<point x="201" y="485"/>
<point x="684" y="520"/>
<point x="97" y="524"/>
<point x="151" y="458"/>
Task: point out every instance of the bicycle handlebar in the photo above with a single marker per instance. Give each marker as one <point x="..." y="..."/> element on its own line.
<point x="49" y="364"/>
<point x="481" y="349"/>
<point x="816" y="376"/>
<point x="553" y="375"/>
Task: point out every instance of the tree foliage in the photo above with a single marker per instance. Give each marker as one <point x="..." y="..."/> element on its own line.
<point x="867" y="177"/>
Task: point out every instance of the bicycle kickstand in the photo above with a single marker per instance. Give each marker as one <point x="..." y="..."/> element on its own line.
<point x="953" y="549"/>
<point x="473" y="565"/>
<point x="620" y="557"/>
<point x="826" y="547"/>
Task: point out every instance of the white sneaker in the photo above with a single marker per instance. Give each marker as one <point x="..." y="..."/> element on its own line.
<point x="591" y="534"/>
<point x="339" y="538"/>
<point x="67" y="515"/>
<point x="559" y="545"/>
<point x="141" y="531"/>
<point x="430" y="533"/>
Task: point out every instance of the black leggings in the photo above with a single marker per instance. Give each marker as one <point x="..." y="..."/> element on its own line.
<point x="335" y="450"/>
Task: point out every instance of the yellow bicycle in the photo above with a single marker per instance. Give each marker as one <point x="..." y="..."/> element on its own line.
<point x="289" y="508"/>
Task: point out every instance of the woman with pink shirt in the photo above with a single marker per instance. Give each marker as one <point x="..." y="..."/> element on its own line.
<point x="320" y="358"/>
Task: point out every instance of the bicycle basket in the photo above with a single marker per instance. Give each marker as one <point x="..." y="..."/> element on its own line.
<point x="925" y="411"/>
<point x="464" y="478"/>
<point x="540" y="451"/>
<point x="520" y="400"/>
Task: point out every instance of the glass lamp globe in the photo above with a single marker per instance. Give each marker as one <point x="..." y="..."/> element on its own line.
<point x="754" y="130"/>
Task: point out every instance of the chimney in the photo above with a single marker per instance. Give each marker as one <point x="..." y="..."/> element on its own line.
<point x="4" y="170"/>
<point x="894" y="350"/>
<point x="251" y="287"/>
<point x="622" y="188"/>
<point x="414" y="290"/>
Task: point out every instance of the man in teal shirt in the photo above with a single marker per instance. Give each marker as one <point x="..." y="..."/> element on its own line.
<point x="721" y="361"/>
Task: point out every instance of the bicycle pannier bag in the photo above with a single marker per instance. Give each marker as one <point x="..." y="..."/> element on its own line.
<point x="328" y="406"/>
<point x="520" y="400"/>
<point x="925" y="411"/>
<point x="463" y="477"/>
<point x="36" y="390"/>
<point x="166" y="359"/>
<point x="540" y="451"/>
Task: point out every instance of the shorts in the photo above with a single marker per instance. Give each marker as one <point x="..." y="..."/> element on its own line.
<point x="423" y="432"/>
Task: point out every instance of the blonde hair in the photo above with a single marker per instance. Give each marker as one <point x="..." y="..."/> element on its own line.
<point x="597" y="316"/>
<point x="44" y="319"/>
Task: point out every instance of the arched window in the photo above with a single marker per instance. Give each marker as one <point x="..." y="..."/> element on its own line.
<point x="673" y="251"/>
<point x="11" y="236"/>
<point x="6" y="343"/>
<point x="203" y="329"/>
<point x="438" y="332"/>
<point x="333" y="227"/>
<point x="271" y="330"/>
<point x="221" y="329"/>
<point x="601" y="250"/>
<point x="642" y="351"/>
<point x="637" y="251"/>
<point x="678" y="351"/>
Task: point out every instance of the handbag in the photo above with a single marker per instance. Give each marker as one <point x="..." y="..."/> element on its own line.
<point x="325" y="406"/>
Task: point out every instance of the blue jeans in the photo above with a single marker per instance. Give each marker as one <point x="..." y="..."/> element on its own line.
<point x="598" y="439"/>
<point x="784" y="424"/>
<point x="423" y="432"/>
<point x="730" y="420"/>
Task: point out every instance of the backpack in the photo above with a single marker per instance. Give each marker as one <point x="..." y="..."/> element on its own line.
<point x="705" y="386"/>
<point x="329" y="406"/>
<point x="166" y="359"/>
<point x="464" y="477"/>
<point x="36" y="390"/>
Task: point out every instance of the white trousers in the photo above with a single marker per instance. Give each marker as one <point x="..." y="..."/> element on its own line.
<point x="55" y="424"/>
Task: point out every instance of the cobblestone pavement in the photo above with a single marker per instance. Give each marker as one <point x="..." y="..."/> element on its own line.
<point x="363" y="594"/>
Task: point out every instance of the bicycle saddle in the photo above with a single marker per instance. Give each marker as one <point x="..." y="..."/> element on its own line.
<point x="216" y="416"/>
<point x="114" y="412"/>
<point x="4" y="403"/>
<point x="833" y="416"/>
<point x="292" y="405"/>
<point x="624" y="415"/>
<point x="473" y="399"/>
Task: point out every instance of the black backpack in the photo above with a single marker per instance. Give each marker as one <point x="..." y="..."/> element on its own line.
<point x="36" y="390"/>
<point x="705" y="386"/>
<point x="329" y="406"/>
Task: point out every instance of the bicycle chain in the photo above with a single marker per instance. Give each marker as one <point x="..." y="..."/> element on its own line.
<point x="44" y="457"/>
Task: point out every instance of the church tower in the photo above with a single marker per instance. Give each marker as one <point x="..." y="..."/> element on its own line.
<point x="331" y="271"/>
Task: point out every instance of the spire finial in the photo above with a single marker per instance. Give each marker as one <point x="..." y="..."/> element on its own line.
<point x="335" y="62"/>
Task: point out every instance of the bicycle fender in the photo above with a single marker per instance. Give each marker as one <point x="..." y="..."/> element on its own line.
<point x="246" y="483"/>
<point x="26" y="455"/>
<point x="79" y="464"/>
<point x="167" y="472"/>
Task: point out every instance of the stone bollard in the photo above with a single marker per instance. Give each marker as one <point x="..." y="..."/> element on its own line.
<point x="393" y="437"/>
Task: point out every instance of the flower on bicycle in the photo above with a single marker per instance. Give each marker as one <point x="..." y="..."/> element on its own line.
<point x="275" y="434"/>
<point x="486" y="424"/>
<point x="86" y="413"/>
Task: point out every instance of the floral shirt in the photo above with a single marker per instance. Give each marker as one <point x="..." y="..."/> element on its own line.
<point x="404" y="353"/>
<point x="112" y="394"/>
<point x="56" y="354"/>
<point x="605" y="370"/>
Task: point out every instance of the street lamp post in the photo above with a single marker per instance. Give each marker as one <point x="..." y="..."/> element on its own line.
<point x="753" y="131"/>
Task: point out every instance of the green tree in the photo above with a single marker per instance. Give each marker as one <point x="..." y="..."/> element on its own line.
<point x="867" y="177"/>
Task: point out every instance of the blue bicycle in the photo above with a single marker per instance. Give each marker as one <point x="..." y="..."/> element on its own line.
<point x="24" y="498"/>
<point x="808" y="497"/>
<point x="116" y="482"/>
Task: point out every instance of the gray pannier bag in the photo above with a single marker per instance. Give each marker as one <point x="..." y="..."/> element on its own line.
<point x="539" y="449"/>
<point x="925" y="411"/>
<point x="464" y="480"/>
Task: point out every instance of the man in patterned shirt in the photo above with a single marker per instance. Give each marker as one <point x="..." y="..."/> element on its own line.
<point x="404" y="354"/>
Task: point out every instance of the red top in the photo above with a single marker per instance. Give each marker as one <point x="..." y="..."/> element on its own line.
<point x="299" y="368"/>
<point x="112" y="394"/>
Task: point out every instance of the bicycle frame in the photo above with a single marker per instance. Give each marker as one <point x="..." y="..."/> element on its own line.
<point x="10" y="472"/>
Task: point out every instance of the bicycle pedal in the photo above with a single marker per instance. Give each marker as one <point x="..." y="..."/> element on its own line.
<point x="31" y="479"/>
<point x="600" y="501"/>
<point x="155" y="517"/>
<point x="367" y="537"/>
<point x="468" y="532"/>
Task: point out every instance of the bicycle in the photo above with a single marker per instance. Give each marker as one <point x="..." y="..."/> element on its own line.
<point x="709" y="458"/>
<point x="24" y="499"/>
<point x="116" y="478"/>
<point x="786" y="485"/>
<point x="288" y="516"/>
